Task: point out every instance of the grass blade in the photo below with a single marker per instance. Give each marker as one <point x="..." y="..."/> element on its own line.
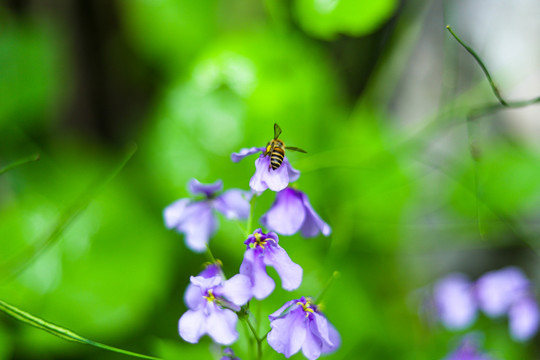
<point x="20" y="162"/>
<point x="60" y="331"/>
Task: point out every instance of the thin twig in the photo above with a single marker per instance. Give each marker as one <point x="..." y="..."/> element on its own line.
<point x="503" y="102"/>
<point x="20" y="162"/>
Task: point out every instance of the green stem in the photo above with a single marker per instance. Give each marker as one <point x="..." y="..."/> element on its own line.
<point x="249" y="224"/>
<point x="336" y="274"/>
<point x="257" y="339"/>
<point x="496" y="91"/>
<point x="20" y="162"/>
<point x="209" y="255"/>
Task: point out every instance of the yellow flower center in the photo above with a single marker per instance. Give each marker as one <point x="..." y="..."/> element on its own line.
<point x="210" y="296"/>
<point x="307" y="307"/>
<point x="258" y="241"/>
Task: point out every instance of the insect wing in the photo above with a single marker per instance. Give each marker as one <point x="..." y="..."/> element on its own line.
<point x="277" y="131"/>
<point x="296" y="149"/>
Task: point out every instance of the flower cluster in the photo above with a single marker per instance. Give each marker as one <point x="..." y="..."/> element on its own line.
<point x="215" y="303"/>
<point x="505" y="292"/>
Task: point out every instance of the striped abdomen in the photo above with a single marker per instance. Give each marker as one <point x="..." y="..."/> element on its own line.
<point x="277" y="154"/>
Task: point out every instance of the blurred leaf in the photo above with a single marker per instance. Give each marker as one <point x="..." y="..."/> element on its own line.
<point x="30" y="75"/>
<point x="115" y="246"/>
<point x="169" y="32"/>
<point x="328" y="18"/>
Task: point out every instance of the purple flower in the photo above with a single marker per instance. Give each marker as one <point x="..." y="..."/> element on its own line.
<point x="508" y="291"/>
<point x="291" y="212"/>
<point x="299" y="324"/>
<point x="497" y="290"/>
<point x="196" y="219"/>
<point x="467" y="350"/>
<point x="263" y="250"/>
<point x="212" y="308"/>
<point x="210" y="270"/>
<point x="523" y="319"/>
<point x="454" y="301"/>
<point x="228" y="354"/>
<point x="265" y="177"/>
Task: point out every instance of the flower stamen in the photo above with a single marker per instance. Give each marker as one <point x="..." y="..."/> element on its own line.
<point x="306" y="307"/>
<point x="259" y="241"/>
<point x="210" y="297"/>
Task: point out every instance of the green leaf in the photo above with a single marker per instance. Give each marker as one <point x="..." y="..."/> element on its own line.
<point x="60" y="331"/>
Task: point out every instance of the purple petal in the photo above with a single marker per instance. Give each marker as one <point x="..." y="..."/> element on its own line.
<point x="253" y="266"/>
<point x="196" y="188"/>
<point x="467" y="350"/>
<point x="313" y="222"/>
<point x="206" y="283"/>
<point x="286" y="214"/>
<point x="279" y="311"/>
<point x="267" y="178"/>
<point x="221" y="325"/>
<point x="335" y="340"/>
<point x="211" y="270"/>
<point x="193" y="296"/>
<point x="319" y="325"/>
<point x="455" y="301"/>
<point x="192" y="325"/>
<point x="237" y="289"/>
<point x="198" y="226"/>
<point x="497" y="290"/>
<point x="293" y="173"/>
<point x="524" y="319"/>
<point x="312" y="346"/>
<point x="236" y="157"/>
<point x="174" y="214"/>
<point x="288" y="333"/>
<point x="234" y="204"/>
<point x="289" y="272"/>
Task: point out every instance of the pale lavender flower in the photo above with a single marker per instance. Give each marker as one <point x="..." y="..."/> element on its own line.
<point x="210" y="270"/>
<point x="196" y="219"/>
<point x="468" y="350"/>
<point x="263" y="250"/>
<point x="497" y="290"/>
<point x="455" y="302"/>
<point x="523" y="318"/>
<point x="212" y="308"/>
<point x="265" y="177"/>
<point x="299" y="324"/>
<point x="292" y="212"/>
<point x="228" y="354"/>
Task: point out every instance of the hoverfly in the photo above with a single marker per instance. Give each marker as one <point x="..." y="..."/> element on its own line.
<point x="276" y="149"/>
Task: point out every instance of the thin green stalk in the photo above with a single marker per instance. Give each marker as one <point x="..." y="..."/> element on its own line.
<point x="335" y="275"/>
<point x="257" y="339"/>
<point x="251" y="351"/>
<point x="496" y="91"/>
<point x="20" y="162"/>
<point x="209" y="255"/>
<point x="475" y="151"/>
<point x="60" y="331"/>
<point x="249" y="223"/>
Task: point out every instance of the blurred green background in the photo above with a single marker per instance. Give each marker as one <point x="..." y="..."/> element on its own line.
<point x="377" y="92"/>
